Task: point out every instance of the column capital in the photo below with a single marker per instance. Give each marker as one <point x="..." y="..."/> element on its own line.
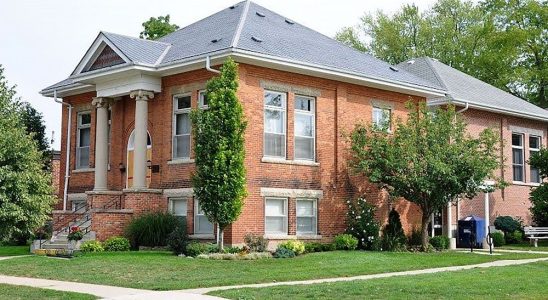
<point x="100" y="102"/>
<point x="141" y="95"/>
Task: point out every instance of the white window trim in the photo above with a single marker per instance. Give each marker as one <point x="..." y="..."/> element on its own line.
<point x="534" y="150"/>
<point x="312" y="113"/>
<point x="286" y="217"/>
<point x="522" y="148"/>
<point x="196" y="215"/>
<point x="176" y="112"/>
<point x="382" y="108"/>
<point x="314" y="216"/>
<point x="282" y="109"/>
<point x="172" y="205"/>
<point x="79" y="127"/>
<point x="201" y="94"/>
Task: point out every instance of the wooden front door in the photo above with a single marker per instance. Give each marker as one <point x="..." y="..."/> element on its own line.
<point x="130" y="152"/>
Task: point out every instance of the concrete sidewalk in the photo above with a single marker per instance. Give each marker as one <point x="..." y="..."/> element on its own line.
<point x="499" y="263"/>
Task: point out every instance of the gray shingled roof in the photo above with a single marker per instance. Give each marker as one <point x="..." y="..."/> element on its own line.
<point x="463" y="87"/>
<point x="249" y="27"/>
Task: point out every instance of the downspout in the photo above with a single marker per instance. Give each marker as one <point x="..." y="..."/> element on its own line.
<point x="67" y="160"/>
<point x="464" y="109"/>
<point x="208" y="66"/>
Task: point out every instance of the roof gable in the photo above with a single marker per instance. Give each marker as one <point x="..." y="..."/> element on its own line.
<point x="107" y="58"/>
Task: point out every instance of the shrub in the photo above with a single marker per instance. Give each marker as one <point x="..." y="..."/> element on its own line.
<point x="440" y="242"/>
<point x="236" y="256"/>
<point x="178" y="240"/>
<point x="539" y="195"/>
<point x="508" y="224"/>
<point x="362" y="225"/>
<point x="415" y="239"/>
<point x="91" y="246"/>
<point x="151" y="229"/>
<point x="393" y="238"/>
<point x="313" y="247"/>
<point x="498" y="239"/>
<point x="328" y="247"/>
<point x="513" y="237"/>
<point x="284" y="253"/>
<point x="345" y="242"/>
<point x="195" y="248"/>
<point x="116" y="244"/>
<point x="234" y="250"/>
<point x="296" y="246"/>
<point x="256" y="243"/>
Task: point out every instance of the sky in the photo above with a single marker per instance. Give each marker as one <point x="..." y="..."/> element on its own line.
<point x="43" y="41"/>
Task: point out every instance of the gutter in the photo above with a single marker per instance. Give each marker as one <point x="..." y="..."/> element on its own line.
<point x="67" y="161"/>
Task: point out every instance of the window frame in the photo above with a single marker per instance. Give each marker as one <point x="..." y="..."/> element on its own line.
<point x="79" y="127"/>
<point x="312" y="113"/>
<point x="314" y="217"/>
<point x="285" y="216"/>
<point x="531" y="150"/>
<point x="522" y="148"/>
<point x="176" y="111"/>
<point x="283" y="109"/>
<point x="382" y="109"/>
<point x="197" y="215"/>
<point x="201" y="95"/>
<point x="172" y="201"/>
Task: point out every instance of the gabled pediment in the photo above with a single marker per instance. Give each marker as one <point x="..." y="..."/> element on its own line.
<point x="102" y="54"/>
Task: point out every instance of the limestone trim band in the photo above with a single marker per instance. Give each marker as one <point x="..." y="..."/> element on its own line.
<point x="291" y="193"/>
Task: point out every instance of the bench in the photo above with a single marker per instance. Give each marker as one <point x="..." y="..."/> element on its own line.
<point x="536" y="233"/>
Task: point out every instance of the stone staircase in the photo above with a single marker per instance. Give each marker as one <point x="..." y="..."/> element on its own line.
<point x="80" y="218"/>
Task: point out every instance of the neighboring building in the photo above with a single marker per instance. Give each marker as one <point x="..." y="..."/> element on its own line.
<point x="131" y="143"/>
<point x="522" y="128"/>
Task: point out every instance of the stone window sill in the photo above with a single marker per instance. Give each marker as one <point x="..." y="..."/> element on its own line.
<point x="291" y="237"/>
<point x="201" y="236"/>
<point x="83" y="170"/>
<point x="274" y="160"/>
<point x="181" y="161"/>
<point x="525" y="183"/>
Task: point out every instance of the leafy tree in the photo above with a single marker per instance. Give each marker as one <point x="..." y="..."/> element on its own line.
<point x="539" y="195"/>
<point x="219" y="180"/>
<point x="502" y="42"/>
<point x="156" y="28"/>
<point x="428" y="160"/>
<point x="36" y="127"/>
<point x="26" y="196"/>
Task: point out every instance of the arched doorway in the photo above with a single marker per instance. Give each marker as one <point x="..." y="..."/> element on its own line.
<point x="130" y="151"/>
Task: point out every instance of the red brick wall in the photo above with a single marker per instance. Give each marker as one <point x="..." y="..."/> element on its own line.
<point x="108" y="223"/>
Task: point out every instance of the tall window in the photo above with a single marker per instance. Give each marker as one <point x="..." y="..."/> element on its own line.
<point x="305" y="129"/>
<point x="83" y="139"/>
<point x="202" y="99"/>
<point x="306" y="216"/>
<point x="181" y="126"/>
<point x="276" y="215"/>
<point x="274" y="124"/>
<point x="382" y="118"/>
<point x="201" y="224"/>
<point x="534" y="147"/>
<point x="517" y="156"/>
<point x="177" y="206"/>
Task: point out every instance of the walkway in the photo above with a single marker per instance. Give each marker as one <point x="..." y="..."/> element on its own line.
<point x="500" y="263"/>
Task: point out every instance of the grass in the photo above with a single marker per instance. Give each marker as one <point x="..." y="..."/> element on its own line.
<point x="14" y="250"/>
<point x="492" y="283"/>
<point x="542" y="246"/>
<point x="16" y="292"/>
<point x="163" y="271"/>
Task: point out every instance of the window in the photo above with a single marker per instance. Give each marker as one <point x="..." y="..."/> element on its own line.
<point x="517" y="156"/>
<point x="177" y="206"/>
<point x="276" y="215"/>
<point x="83" y="139"/>
<point x="79" y="205"/>
<point x="201" y="224"/>
<point x="306" y="216"/>
<point x="305" y="129"/>
<point x="534" y="147"/>
<point x="274" y="124"/>
<point x="202" y="99"/>
<point x="181" y="126"/>
<point x="382" y="118"/>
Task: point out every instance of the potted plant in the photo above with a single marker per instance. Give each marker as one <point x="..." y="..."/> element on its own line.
<point x="74" y="237"/>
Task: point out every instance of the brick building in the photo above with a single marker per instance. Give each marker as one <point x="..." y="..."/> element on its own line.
<point x="130" y="143"/>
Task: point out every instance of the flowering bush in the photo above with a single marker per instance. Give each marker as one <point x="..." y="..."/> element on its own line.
<point x="296" y="246"/>
<point x="362" y="224"/>
<point x="75" y="234"/>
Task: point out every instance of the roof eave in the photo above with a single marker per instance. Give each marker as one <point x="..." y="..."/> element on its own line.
<point x="68" y="90"/>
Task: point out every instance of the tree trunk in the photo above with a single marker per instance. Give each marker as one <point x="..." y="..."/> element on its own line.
<point x="220" y="241"/>
<point x="425" y="239"/>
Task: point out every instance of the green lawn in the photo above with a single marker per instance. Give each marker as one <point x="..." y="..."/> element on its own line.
<point x="14" y="250"/>
<point x="542" y="246"/>
<point x="514" y="282"/>
<point x="17" y="292"/>
<point x="163" y="271"/>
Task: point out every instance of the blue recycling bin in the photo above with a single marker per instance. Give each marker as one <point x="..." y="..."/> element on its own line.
<point x="471" y="228"/>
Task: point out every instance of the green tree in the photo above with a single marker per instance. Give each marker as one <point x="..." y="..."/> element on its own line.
<point x="156" y="28"/>
<point x="539" y="195"/>
<point x="219" y="180"/>
<point x="502" y="42"/>
<point x="26" y="196"/>
<point x="428" y="160"/>
<point x="36" y="127"/>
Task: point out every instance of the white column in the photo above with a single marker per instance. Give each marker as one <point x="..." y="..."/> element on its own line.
<point x="486" y="211"/>
<point x="141" y="123"/>
<point x="449" y="221"/>
<point x="101" y="143"/>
